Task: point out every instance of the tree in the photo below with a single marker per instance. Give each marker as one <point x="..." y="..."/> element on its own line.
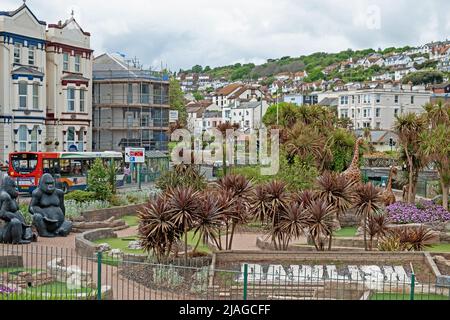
<point x="435" y="144"/>
<point x="99" y="180"/>
<point x="424" y="77"/>
<point x="287" y="114"/>
<point x="198" y="96"/>
<point x="408" y="128"/>
<point x="207" y="69"/>
<point x="176" y="100"/>
<point x="368" y="202"/>
<point x="197" y="69"/>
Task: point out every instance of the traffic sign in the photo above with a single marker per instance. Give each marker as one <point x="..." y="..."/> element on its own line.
<point x="135" y="155"/>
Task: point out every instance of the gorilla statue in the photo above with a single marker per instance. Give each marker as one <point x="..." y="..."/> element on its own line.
<point x="48" y="210"/>
<point x="15" y="230"/>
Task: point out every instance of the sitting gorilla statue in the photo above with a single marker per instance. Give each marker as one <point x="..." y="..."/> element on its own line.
<point x="48" y="210"/>
<point x="15" y="231"/>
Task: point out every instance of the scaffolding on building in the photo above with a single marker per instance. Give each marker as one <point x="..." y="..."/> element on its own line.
<point x="130" y="109"/>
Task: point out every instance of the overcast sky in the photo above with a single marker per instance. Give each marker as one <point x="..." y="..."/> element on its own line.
<point x="182" y="33"/>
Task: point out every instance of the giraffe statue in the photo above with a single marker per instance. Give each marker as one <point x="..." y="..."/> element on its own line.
<point x="353" y="173"/>
<point x="388" y="195"/>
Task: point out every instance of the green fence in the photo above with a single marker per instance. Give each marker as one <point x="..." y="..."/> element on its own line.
<point x="45" y="273"/>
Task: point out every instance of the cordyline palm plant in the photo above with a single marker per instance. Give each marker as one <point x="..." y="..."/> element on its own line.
<point x="303" y="198"/>
<point x="293" y="221"/>
<point x="157" y="231"/>
<point x="368" y="202"/>
<point x="377" y="227"/>
<point x="209" y="218"/>
<point x="338" y="191"/>
<point x="409" y="128"/>
<point x="240" y="191"/>
<point x="406" y="239"/>
<point x="223" y="128"/>
<point x="321" y="216"/>
<point x="183" y="206"/>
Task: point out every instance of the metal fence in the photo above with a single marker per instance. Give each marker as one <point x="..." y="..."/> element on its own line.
<point x="46" y="273"/>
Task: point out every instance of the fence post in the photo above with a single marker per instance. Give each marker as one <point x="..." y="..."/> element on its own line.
<point x="413" y="284"/>
<point x="99" y="275"/>
<point x="245" y="281"/>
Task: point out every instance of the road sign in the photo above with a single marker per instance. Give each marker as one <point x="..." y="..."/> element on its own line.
<point x="173" y="116"/>
<point x="135" y="155"/>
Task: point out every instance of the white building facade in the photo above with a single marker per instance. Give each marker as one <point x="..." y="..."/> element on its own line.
<point x="376" y="107"/>
<point x="22" y="82"/>
<point x="45" y="89"/>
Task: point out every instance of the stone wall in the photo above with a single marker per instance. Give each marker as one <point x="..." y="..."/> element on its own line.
<point x="84" y="245"/>
<point x="117" y="212"/>
<point x="349" y="219"/>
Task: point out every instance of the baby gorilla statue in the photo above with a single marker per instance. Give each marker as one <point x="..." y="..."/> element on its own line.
<point x="15" y="231"/>
<point x="48" y="210"/>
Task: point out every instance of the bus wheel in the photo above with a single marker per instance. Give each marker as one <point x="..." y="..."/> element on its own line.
<point x="65" y="188"/>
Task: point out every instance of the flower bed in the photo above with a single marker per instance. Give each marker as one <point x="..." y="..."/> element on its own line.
<point x="422" y="212"/>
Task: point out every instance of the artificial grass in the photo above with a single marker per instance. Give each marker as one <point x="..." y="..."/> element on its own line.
<point x="406" y="296"/>
<point x="439" y="248"/>
<point x="131" y="221"/>
<point x="346" y="232"/>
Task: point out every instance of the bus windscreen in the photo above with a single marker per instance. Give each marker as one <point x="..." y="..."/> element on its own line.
<point x="24" y="163"/>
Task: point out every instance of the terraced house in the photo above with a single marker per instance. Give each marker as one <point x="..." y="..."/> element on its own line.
<point x="22" y="82"/>
<point x="45" y="89"/>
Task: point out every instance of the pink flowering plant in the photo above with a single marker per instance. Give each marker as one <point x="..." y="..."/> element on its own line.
<point x="422" y="212"/>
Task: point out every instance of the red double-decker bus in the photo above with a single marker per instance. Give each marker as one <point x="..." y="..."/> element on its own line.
<point x="70" y="168"/>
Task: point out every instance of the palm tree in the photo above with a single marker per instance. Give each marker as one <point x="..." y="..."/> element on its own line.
<point x="438" y="113"/>
<point x="183" y="203"/>
<point x="293" y="221"/>
<point x="368" y="202"/>
<point x="223" y="128"/>
<point x="240" y="190"/>
<point x="157" y="231"/>
<point x="338" y="191"/>
<point x="408" y="128"/>
<point x="435" y="145"/>
<point x="209" y="218"/>
<point x="321" y="221"/>
<point x="306" y="142"/>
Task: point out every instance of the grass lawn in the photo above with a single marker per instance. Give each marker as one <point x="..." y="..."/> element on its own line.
<point x="131" y="221"/>
<point x="400" y="296"/>
<point x="441" y="248"/>
<point x="192" y="241"/>
<point x="346" y="232"/>
<point x="51" y="291"/>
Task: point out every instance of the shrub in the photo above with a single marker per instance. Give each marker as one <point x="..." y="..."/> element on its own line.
<point x="98" y="181"/>
<point x="80" y="196"/>
<point x="422" y="212"/>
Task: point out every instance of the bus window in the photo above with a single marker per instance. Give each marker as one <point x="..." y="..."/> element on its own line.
<point x="51" y="166"/>
<point x="65" y="168"/>
<point x="24" y="163"/>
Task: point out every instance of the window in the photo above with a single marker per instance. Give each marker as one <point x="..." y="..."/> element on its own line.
<point x="145" y="94"/>
<point x="344" y="113"/>
<point x="70" y="137"/>
<point x="353" y="113"/>
<point x="377" y="112"/>
<point x="378" y="125"/>
<point x="65" y="61"/>
<point x="36" y="96"/>
<point x="396" y="99"/>
<point x="412" y="99"/>
<point x="71" y="99"/>
<point x="17" y="49"/>
<point x="34" y="139"/>
<point x="378" y="97"/>
<point x="80" y="140"/>
<point x="23" y="95"/>
<point x="31" y="55"/>
<point x="344" y="100"/>
<point x="82" y="99"/>
<point x="77" y="63"/>
<point x="130" y="93"/>
<point x="23" y="136"/>
<point x="247" y="123"/>
<point x="395" y="112"/>
<point x="353" y="99"/>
